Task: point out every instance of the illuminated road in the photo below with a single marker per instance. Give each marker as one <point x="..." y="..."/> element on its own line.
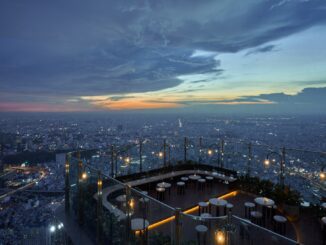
<point x="25" y="186"/>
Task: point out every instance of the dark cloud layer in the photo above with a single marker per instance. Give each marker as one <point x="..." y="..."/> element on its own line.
<point x="75" y="48"/>
<point x="308" y="96"/>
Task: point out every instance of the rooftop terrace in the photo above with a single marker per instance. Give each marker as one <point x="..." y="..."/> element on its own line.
<point x="187" y="193"/>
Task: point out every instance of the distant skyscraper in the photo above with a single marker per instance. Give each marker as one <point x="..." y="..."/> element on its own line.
<point x="180" y="123"/>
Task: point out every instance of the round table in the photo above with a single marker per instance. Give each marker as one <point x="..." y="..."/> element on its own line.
<point x="184" y="179"/>
<point x="121" y="198"/>
<point x="180" y="183"/>
<point x="279" y="218"/>
<point x="194" y="177"/>
<point x="205" y="215"/>
<point x="164" y="185"/>
<point x="323" y="205"/>
<point x="209" y="177"/>
<point x="306" y="204"/>
<point x="323" y="219"/>
<point x="264" y="201"/>
<point x="144" y="200"/>
<point x="139" y="224"/>
<point x="218" y="202"/>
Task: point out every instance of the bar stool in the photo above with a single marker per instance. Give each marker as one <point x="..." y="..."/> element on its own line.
<point x="201" y="232"/>
<point x="201" y="184"/>
<point x="181" y="187"/>
<point x="202" y="207"/>
<point x="256" y="217"/>
<point x="160" y="193"/>
<point x="185" y="179"/>
<point x="249" y="206"/>
<point x="139" y="225"/>
<point x="279" y="224"/>
<point x="229" y="207"/>
<point x="209" y="180"/>
<point x="206" y="219"/>
<point x="143" y="203"/>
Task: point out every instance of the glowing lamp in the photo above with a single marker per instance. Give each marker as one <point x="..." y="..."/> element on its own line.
<point x="210" y="152"/>
<point x="84" y="175"/>
<point x="220" y="237"/>
<point x="266" y="162"/>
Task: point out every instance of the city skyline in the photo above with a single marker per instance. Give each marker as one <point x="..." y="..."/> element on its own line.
<point x="255" y="56"/>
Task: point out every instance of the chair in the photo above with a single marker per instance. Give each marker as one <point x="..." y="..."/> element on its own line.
<point x="181" y="187"/>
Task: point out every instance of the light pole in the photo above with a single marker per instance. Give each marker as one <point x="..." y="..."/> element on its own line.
<point x="67" y="183"/>
<point x="249" y="159"/>
<point x="282" y="163"/>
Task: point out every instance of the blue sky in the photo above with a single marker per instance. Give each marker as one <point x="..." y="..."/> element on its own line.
<point x="179" y="55"/>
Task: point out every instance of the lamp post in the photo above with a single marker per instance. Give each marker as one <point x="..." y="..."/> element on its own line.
<point x="140" y="155"/>
<point x="322" y="174"/>
<point x="185" y="149"/>
<point x="282" y="163"/>
<point x="200" y="149"/>
<point x="99" y="208"/>
<point x="249" y="159"/>
<point x="67" y="183"/>
<point x="221" y="154"/>
<point x="81" y="176"/>
<point x="112" y="161"/>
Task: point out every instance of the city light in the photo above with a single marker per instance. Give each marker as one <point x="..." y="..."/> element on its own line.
<point x="160" y="154"/>
<point x="132" y="203"/>
<point x="84" y="175"/>
<point x="52" y="228"/>
<point x="322" y="175"/>
<point x="210" y="152"/>
<point x="127" y="160"/>
<point x="266" y="162"/>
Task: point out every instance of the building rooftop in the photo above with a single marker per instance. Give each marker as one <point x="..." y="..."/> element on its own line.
<point x="187" y="201"/>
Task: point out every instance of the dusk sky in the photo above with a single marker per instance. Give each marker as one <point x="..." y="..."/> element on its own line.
<point x="172" y="55"/>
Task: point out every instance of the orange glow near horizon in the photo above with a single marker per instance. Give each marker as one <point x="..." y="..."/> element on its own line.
<point x="135" y="104"/>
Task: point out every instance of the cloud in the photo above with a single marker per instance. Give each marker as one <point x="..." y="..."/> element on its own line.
<point x="79" y="48"/>
<point x="308" y="96"/>
<point x="264" y="49"/>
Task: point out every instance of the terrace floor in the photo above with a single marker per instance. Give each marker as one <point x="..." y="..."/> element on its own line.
<point x="306" y="230"/>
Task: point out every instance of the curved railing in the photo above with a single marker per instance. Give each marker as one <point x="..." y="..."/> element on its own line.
<point x="107" y="208"/>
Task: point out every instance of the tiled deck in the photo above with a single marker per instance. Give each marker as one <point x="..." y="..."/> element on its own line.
<point x="307" y="230"/>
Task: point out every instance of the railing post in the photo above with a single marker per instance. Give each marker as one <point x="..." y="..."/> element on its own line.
<point x="80" y="192"/>
<point x="99" y="208"/>
<point x="185" y="150"/>
<point x="115" y="163"/>
<point x="164" y="152"/>
<point x="282" y="163"/>
<point x="128" y="224"/>
<point x="222" y="154"/>
<point x="140" y="155"/>
<point x="169" y="154"/>
<point x="249" y="159"/>
<point x="67" y="184"/>
<point x="177" y="226"/>
<point x="112" y="160"/>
